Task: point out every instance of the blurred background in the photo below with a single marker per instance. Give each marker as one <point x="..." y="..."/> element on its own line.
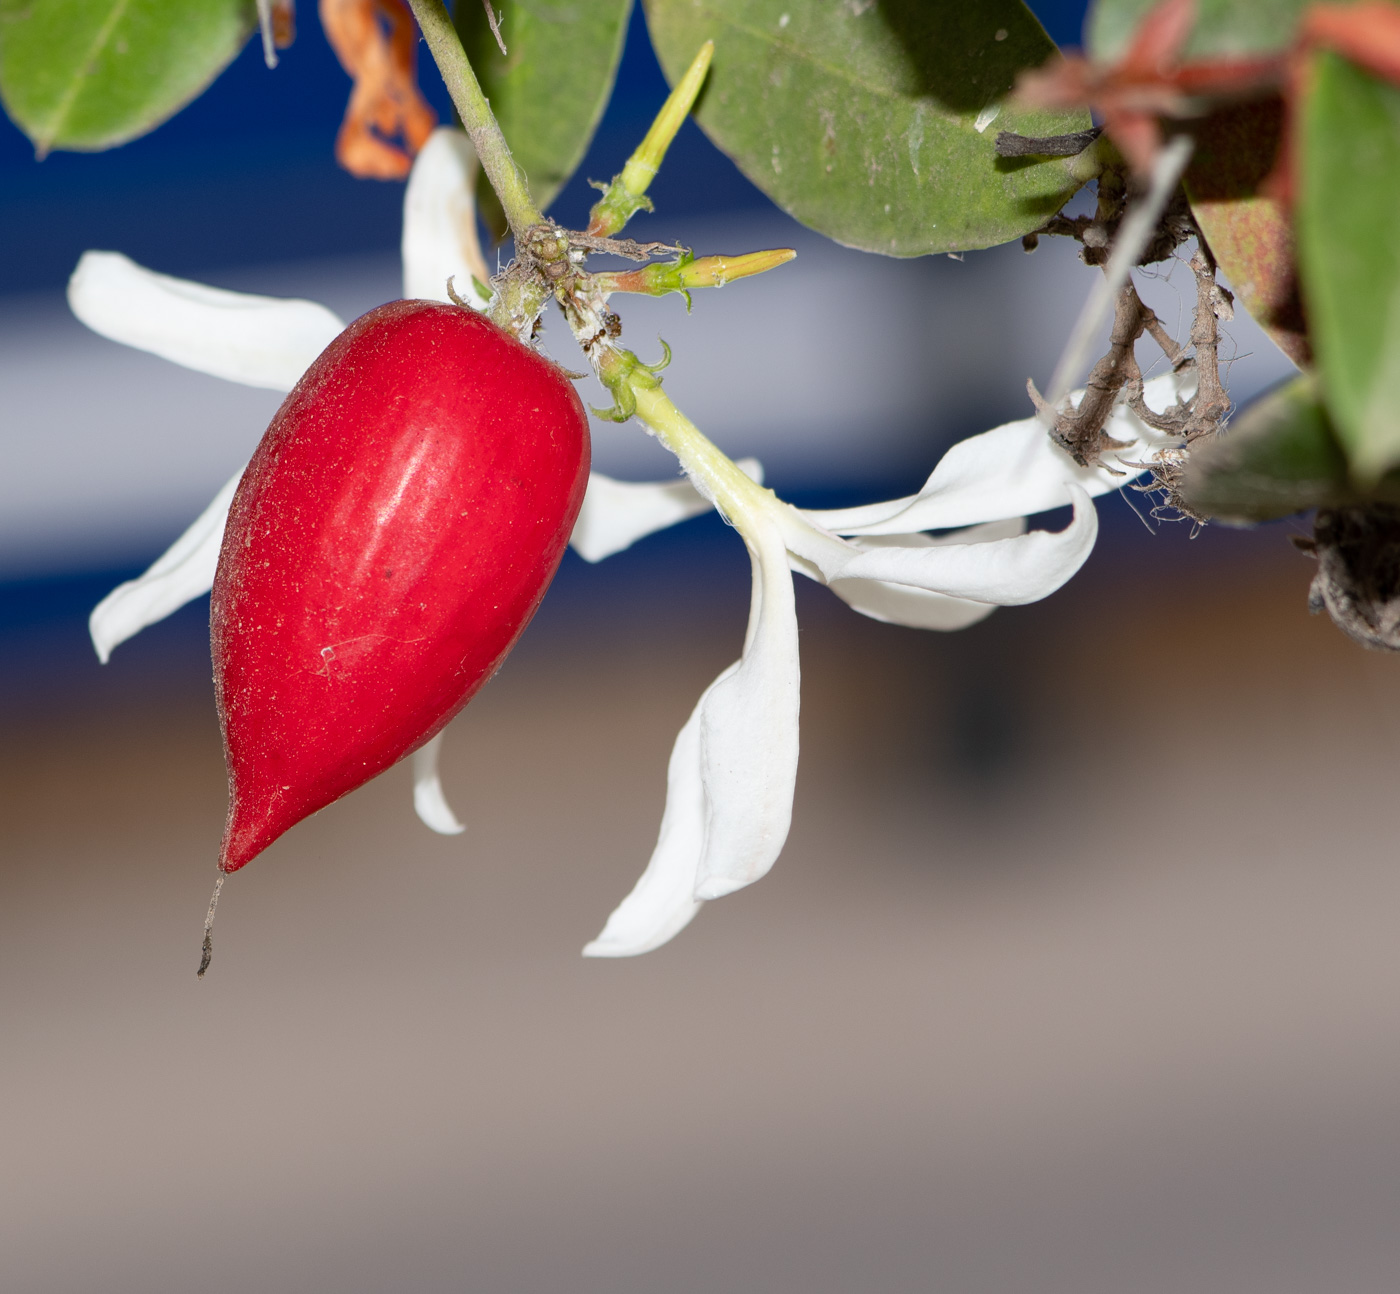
<point x="1078" y="973"/>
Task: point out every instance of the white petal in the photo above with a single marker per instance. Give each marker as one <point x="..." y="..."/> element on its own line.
<point x="439" y="221"/>
<point x="182" y="573"/>
<point x="615" y="514"/>
<point x="1008" y="572"/>
<point x="428" y="800"/>
<point x="748" y="730"/>
<point x="1014" y="470"/>
<point x="733" y="768"/>
<point x="662" y="903"/>
<point x="258" y="341"/>
<point x="922" y="608"/>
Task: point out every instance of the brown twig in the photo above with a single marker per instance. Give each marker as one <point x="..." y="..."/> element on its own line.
<point x="494" y="20"/>
<point x="1080" y="432"/>
<point x="627" y="248"/>
<point x="1206" y="412"/>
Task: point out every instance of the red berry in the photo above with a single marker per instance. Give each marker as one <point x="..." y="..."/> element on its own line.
<point x="393" y="535"/>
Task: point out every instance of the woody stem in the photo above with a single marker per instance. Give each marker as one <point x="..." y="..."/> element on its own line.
<point x="478" y="119"/>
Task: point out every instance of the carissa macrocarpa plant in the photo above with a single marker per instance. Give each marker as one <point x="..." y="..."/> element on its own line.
<point x="1266" y="155"/>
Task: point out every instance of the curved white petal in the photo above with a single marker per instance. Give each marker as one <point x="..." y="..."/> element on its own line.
<point x="914" y="608"/>
<point x="1007" y="572"/>
<point x="428" y="800"/>
<point x="733" y="768"/>
<point x="439" y="221"/>
<point x="615" y="514"/>
<point x="1014" y="470"/>
<point x="748" y="729"/>
<point x="258" y="341"/>
<point x="663" y="902"/>
<point x="182" y="573"/>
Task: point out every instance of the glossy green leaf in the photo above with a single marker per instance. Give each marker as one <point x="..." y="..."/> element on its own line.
<point x="550" y="90"/>
<point x="1348" y="215"/>
<point x="1224" y="28"/>
<point x="91" y="74"/>
<point x="876" y="124"/>
<point x="1277" y="458"/>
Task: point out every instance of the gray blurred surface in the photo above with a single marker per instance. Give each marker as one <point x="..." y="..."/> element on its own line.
<point x="1113" y="1010"/>
<point x="838" y="368"/>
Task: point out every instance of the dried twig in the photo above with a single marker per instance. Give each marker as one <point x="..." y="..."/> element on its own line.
<point x="628" y="248"/>
<point x="1080" y="432"/>
<point x="494" y="20"/>
<point x="1206" y="412"/>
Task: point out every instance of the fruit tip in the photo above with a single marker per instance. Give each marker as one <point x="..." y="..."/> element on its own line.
<point x="207" y="948"/>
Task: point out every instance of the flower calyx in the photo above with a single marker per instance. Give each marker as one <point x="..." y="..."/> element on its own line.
<point x="624" y="375"/>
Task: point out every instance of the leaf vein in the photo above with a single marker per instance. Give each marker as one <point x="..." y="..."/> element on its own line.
<point x="70" y="96"/>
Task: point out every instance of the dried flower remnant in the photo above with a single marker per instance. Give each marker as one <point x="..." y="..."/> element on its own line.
<point x="1358" y="572"/>
<point x="387" y="119"/>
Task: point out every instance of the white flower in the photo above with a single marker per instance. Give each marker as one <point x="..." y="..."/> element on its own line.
<point x="732" y="770"/>
<point x="734" y="765"/>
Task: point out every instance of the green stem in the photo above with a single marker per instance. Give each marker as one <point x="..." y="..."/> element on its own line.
<point x="477" y="117"/>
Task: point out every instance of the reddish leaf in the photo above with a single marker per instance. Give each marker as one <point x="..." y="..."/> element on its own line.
<point x="1367" y="33"/>
<point x="1248" y="232"/>
<point x="1158" y="41"/>
<point x="1147" y="83"/>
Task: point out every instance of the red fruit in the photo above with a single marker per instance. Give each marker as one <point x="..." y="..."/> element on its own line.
<point x="394" y="533"/>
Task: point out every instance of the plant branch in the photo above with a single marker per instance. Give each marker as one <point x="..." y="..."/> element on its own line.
<point x="477" y="118"/>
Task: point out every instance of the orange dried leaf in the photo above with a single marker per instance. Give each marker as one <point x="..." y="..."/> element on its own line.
<point x="387" y="120"/>
<point x="284" y="23"/>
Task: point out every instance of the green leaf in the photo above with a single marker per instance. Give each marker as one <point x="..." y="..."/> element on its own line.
<point x="1249" y="233"/>
<point x="1348" y="215"/>
<point x="876" y="124"/>
<point x="1277" y="458"/>
<point x="1224" y="28"/>
<point x="549" y="92"/>
<point x="91" y="74"/>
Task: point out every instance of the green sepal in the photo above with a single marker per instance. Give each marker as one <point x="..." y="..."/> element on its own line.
<point x="622" y="372"/>
<point x="663" y="363"/>
<point x="617" y="205"/>
<point x="624" y="406"/>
